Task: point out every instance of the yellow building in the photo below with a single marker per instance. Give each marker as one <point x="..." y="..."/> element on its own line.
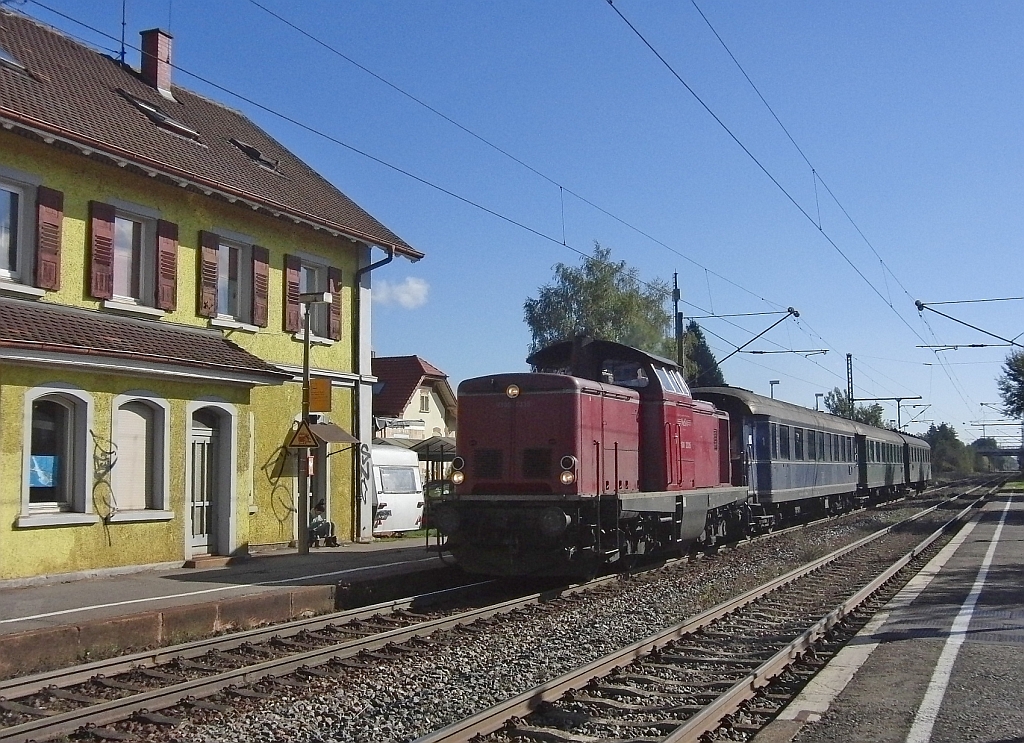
<point x="154" y="248"/>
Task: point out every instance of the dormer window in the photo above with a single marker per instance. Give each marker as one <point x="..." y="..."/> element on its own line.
<point x="255" y="155"/>
<point x="9" y="60"/>
<point x="161" y="118"/>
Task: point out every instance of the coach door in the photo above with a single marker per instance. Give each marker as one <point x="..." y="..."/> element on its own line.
<point x="205" y="481"/>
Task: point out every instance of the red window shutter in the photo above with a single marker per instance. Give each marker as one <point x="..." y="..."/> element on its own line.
<point x="292" y="308"/>
<point x="101" y="272"/>
<point x="334" y="287"/>
<point x="260" y="286"/>
<point x="209" y="244"/>
<point x="49" y="223"/>
<point x="166" y="265"/>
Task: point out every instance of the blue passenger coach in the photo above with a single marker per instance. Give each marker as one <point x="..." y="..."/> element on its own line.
<point x="793" y="459"/>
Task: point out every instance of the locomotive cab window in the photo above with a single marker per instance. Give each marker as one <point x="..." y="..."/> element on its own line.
<point x="624" y="373"/>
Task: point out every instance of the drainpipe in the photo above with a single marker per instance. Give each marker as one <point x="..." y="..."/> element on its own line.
<point x="363" y="400"/>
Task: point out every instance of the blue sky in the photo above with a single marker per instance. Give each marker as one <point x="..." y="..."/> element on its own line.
<point x="909" y="112"/>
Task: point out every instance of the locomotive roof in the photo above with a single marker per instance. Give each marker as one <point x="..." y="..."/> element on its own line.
<point x="565" y="354"/>
<point x="786" y="411"/>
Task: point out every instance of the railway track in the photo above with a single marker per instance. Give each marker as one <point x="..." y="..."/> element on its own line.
<point x="252" y="665"/>
<point x="707" y="672"/>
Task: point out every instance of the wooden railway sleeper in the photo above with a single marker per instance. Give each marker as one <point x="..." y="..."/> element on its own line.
<point x="161" y="676"/>
<point x="105" y="733"/>
<point x="72" y="696"/>
<point x="119" y="685"/>
<point x="156" y="718"/>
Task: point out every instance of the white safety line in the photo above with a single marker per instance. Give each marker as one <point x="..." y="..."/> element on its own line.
<point x="928" y="712"/>
<point x="819" y="694"/>
<point x="209" y="590"/>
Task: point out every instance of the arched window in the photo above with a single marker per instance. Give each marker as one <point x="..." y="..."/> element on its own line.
<point x="136" y="466"/>
<point x="54" y="455"/>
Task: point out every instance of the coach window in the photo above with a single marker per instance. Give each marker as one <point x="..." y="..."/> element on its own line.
<point x="762" y="434"/>
<point x="784" y="442"/>
<point x="798" y="443"/>
<point x="812" y="445"/>
<point x="774" y="438"/>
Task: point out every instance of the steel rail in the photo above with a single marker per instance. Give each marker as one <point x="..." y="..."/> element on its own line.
<point x="162" y="698"/>
<point x="492" y="719"/>
<point x="26" y="685"/>
<point x="119" y="709"/>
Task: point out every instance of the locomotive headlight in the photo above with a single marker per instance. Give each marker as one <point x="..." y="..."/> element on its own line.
<point x="512" y="391"/>
<point x="446" y="519"/>
<point x="458" y="477"/>
<point x="568" y="463"/>
<point x="458" y="463"/>
<point x="553" y="521"/>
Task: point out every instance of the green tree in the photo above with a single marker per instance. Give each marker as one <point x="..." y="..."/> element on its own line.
<point x="1011" y="385"/>
<point x="838" y="403"/>
<point x="701" y="365"/>
<point x="949" y="455"/>
<point x="602" y="299"/>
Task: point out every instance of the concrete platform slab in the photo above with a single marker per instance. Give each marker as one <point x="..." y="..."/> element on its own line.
<point x="943" y="661"/>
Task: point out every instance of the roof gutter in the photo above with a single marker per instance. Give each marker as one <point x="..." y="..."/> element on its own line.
<point x="382" y="262"/>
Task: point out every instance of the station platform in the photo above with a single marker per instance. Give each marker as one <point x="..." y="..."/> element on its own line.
<point x="943" y="661"/>
<point x="60" y="623"/>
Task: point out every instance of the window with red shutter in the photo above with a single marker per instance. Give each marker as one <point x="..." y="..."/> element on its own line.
<point x="209" y="245"/>
<point x="334" y="287"/>
<point x="101" y="271"/>
<point x="49" y="227"/>
<point x="292" y="308"/>
<point x="260" y="286"/>
<point x="166" y="265"/>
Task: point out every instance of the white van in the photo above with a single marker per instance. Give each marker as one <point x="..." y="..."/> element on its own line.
<point x="398" y="505"/>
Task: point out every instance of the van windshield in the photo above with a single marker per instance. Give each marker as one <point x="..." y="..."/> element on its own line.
<point x="398" y="479"/>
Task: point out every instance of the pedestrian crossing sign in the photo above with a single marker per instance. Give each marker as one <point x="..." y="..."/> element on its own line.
<point x="302" y="438"/>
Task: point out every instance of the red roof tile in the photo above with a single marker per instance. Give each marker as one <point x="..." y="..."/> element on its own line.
<point x="25" y="324"/>
<point x="79" y="94"/>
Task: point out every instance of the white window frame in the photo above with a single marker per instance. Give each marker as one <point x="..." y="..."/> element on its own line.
<point x="245" y="278"/>
<point x="321" y="312"/>
<point x="160" y="510"/>
<point x="145" y="303"/>
<point x="424" y="401"/>
<point x="23" y="184"/>
<point x="79" y="508"/>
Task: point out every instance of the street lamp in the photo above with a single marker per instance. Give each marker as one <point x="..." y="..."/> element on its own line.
<point x="817" y="398"/>
<point x="772" y="383"/>
<point x="306" y="299"/>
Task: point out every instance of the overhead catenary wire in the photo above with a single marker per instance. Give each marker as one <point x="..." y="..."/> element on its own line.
<point x="759" y="164"/>
<point x="419" y="179"/>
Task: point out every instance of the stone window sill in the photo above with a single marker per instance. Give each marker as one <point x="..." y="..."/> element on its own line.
<point x="132" y="308"/>
<point x="12" y="287"/>
<point x="141" y="515"/>
<point x="229" y="323"/>
<point x="56" y="518"/>
<point x="313" y="339"/>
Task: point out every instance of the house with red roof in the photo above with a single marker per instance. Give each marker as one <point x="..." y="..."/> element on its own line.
<point x="412" y="399"/>
<point x="158" y="251"/>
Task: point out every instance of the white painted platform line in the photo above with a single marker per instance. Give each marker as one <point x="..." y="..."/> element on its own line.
<point x="149" y="599"/>
<point x="924" y="721"/>
<point x="819" y="694"/>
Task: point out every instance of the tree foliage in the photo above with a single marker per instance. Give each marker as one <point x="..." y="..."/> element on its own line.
<point x="701" y="366"/>
<point x="838" y="403"/>
<point x="949" y="455"/>
<point x="602" y="299"/>
<point x="1011" y="385"/>
<point x="987" y="463"/>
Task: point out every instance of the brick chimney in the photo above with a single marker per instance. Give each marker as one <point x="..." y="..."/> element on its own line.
<point x="156" y="60"/>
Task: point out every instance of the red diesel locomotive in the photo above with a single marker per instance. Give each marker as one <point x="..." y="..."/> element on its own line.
<point x="600" y="455"/>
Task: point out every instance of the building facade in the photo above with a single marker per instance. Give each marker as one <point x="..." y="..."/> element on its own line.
<point x="153" y="249"/>
<point x="412" y="399"/>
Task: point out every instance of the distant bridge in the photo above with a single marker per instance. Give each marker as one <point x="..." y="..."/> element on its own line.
<point x="1000" y="452"/>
